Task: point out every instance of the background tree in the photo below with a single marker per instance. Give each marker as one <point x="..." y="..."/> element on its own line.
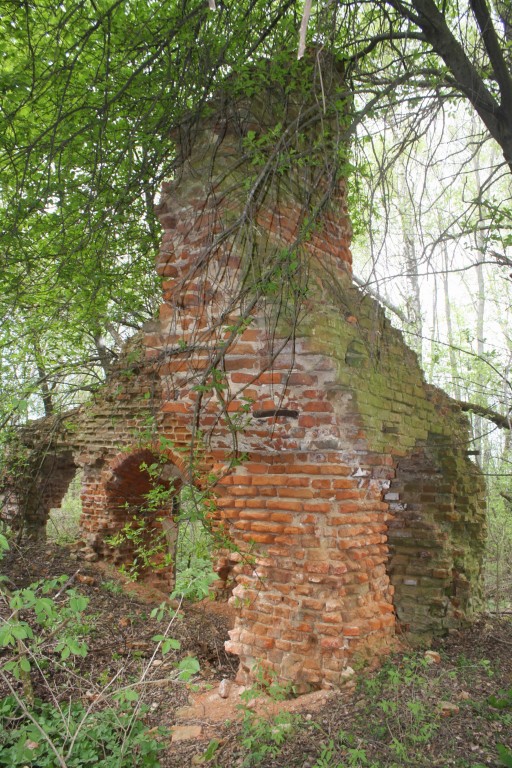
<point x="91" y="95"/>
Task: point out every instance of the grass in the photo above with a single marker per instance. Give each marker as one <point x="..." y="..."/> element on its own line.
<point x="456" y="713"/>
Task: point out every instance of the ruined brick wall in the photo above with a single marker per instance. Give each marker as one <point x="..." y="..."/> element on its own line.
<point x="355" y="503"/>
<point x="110" y="440"/>
<point x="341" y="479"/>
<point x="117" y="440"/>
<point x="36" y="471"/>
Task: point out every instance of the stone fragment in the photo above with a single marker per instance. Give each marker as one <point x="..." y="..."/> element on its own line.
<point x="186" y="732"/>
<point x="186" y="713"/>
<point x="83" y="579"/>
<point x="29" y="744"/>
<point x="224" y="688"/>
<point x="92" y="695"/>
<point x="448" y="709"/>
<point x="347" y="673"/>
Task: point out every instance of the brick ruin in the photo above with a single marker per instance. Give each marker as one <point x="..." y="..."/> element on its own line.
<point x="339" y="477"/>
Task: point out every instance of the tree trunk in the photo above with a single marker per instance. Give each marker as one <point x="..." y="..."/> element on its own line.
<point x="454" y="370"/>
<point x="46" y="394"/>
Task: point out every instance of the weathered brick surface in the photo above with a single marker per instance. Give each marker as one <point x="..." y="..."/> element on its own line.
<point x="358" y="504"/>
<point x="351" y="503"/>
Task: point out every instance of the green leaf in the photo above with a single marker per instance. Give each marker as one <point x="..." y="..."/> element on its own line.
<point x="131" y="695"/>
<point x="44" y="608"/>
<point x="127" y="695"/>
<point x="505" y="755"/>
<point x="503" y="701"/>
<point x="78" y="603"/>
<point x="188" y="667"/>
<point x="6" y="637"/>
<point x="21" y="631"/>
<point x="211" y="750"/>
<point x="170" y="644"/>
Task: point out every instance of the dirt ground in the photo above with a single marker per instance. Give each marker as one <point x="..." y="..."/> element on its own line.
<point x="449" y="708"/>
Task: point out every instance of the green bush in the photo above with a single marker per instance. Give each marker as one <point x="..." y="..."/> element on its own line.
<point x="50" y="736"/>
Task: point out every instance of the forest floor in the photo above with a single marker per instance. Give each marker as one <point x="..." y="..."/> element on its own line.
<point x="452" y="707"/>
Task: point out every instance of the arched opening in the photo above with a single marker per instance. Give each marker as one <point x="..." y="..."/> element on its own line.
<point x="43" y="490"/>
<point x="63" y="523"/>
<point x="154" y="526"/>
<point x="195" y="544"/>
<point x="142" y="499"/>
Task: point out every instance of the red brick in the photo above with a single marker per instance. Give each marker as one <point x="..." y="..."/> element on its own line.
<point x="315" y="506"/>
<point x="331" y="643"/>
<point x="318" y="406"/>
<point x="281" y="517"/>
<point x="266" y="527"/>
<point x="268" y="479"/>
<point x="255" y="468"/>
<point x="241" y="378"/>
<point x="269" y="378"/>
<point x="252" y="334"/>
<point x="259" y="515"/>
<point x="324" y="483"/>
<point x="258" y="538"/>
<point x="307" y="421"/>
<point x="347" y="495"/>
<point x="316" y="567"/>
<point x="282" y="504"/>
<point x="296" y="493"/>
<point x="306" y="379"/>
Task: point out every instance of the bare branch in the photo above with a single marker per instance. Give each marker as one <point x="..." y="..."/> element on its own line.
<point x="503" y="422"/>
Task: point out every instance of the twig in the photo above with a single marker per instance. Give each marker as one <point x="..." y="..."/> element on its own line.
<point x="67" y="584"/>
<point x="500" y="640"/>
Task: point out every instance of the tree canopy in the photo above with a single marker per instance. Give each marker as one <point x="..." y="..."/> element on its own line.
<point x="91" y="91"/>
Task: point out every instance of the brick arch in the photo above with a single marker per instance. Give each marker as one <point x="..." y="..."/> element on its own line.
<point x="27" y="499"/>
<point x="115" y="493"/>
<point x="153" y="450"/>
<point x="131" y="480"/>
